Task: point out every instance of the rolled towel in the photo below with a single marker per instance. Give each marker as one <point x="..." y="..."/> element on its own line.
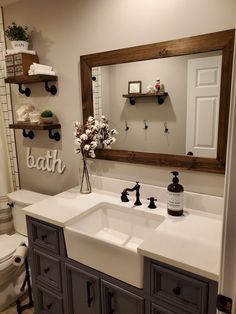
<point x="38" y="66"/>
<point x="19" y="256"/>
<point x="35" y="72"/>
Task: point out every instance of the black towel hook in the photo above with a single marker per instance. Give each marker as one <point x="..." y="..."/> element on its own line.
<point x="126" y="126"/>
<point x="145" y="125"/>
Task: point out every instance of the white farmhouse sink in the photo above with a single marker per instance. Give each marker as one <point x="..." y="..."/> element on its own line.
<point x="106" y="237"/>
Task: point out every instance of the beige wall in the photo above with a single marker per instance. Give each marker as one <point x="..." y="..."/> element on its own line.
<point x="64" y="30"/>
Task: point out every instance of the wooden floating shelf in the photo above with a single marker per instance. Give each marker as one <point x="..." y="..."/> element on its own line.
<point x="160" y="97"/>
<point x="24" y="79"/>
<point x="37" y="126"/>
<point x="29" y="79"/>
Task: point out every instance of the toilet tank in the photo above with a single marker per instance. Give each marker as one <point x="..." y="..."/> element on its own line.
<point x="20" y="199"/>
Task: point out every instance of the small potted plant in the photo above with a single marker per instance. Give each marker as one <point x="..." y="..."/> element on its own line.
<point x="46" y="116"/>
<point x="19" y="36"/>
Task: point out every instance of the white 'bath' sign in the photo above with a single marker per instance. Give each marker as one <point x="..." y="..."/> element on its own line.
<point x="48" y="163"/>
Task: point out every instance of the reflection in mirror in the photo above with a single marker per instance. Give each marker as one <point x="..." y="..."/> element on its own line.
<point x="190" y="112"/>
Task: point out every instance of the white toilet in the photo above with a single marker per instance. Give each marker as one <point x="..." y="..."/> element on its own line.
<point x="12" y="277"/>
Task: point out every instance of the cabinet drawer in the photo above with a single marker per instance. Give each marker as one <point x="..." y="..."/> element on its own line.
<point x="18" y="59"/>
<point x="9" y="61"/>
<point x="47" y="270"/>
<point x="48" y="303"/>
<point x="118" y="300"/>
<point x="186" y="294"/>
<point x="19" y="70"/>
<point x="45" y="236"/>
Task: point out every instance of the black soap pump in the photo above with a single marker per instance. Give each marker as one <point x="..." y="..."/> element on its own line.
<point x="175" y="196"/>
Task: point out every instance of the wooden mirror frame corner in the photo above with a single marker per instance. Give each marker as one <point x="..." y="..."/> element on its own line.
<point x="223" y="41"/>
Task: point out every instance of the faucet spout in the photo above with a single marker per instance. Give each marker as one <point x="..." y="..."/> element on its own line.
<point x="124" y="197"/>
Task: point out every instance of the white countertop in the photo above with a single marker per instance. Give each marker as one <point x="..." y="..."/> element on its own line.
<point x="191" y="242"/>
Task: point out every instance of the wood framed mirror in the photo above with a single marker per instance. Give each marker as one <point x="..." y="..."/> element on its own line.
<point x="220" y="41"/>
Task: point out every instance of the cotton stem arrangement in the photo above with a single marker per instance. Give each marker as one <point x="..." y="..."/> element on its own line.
<point x="95" y="133"/>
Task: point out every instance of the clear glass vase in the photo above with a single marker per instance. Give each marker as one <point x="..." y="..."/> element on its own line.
<point x="85" y="186"/>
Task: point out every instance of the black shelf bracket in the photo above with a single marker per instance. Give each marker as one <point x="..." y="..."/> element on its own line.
<point x="54" y="136"/>
<point x="26" y="91"/>
<point x="132" y="101"/>
<point x="160" y="99"/>
<point x="30" y="134"/>
<point x="52" y="89"/>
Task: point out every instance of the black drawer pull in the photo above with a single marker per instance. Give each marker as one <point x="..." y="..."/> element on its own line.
<point x="46" y="270"/>
<point x="110" y="307"/>
<point x="177" y="290"/>
<point x="48" y="306"/>
<point x="89" y="298"/>
<point x="44" y="237"/>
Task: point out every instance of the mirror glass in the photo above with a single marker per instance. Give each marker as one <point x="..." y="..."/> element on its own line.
<point x="187" y="121"/>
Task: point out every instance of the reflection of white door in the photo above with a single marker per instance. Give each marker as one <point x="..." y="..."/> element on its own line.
<point x="203" y="96"/>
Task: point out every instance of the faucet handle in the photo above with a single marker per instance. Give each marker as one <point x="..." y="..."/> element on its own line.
<point x="152" y="202"/>
<point x="124" y="196"/>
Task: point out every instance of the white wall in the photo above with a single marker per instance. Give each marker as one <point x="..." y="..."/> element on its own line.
<point x="64" y="30"/>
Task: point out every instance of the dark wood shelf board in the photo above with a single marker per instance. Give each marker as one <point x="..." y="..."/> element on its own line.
<point x="145" y="95"/>
<point x="30" y="79"/>
<point x="34" y="126"/>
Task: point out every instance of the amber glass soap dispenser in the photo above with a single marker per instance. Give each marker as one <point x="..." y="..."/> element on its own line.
<point x="175" y="196"/>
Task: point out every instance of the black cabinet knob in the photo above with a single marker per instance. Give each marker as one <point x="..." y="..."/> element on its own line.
<point x="177" y="290"/>
<point x="46" y="270"/>
<point x="48" y="306"/>
<point x="44" y="237"/>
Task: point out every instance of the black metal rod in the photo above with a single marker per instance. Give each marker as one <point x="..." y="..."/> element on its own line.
<point x="26" y="91"/>
<point x="52" y="89"/>
<point x="30" y="134"/>
<point x="54" y="136"/>
<point x="20" y="308"/>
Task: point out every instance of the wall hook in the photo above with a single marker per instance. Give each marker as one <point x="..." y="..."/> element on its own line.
<point x="30" y="134"/>
<point x="145" y="125"/>
<point x="54" y="136"/>
<point x="166" y="130"/>
<point x="26" y="91"/>
<point x="52" y="89"/>
<point x="126" y="126"/>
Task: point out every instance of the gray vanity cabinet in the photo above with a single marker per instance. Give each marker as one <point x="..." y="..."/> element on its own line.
<point x="64" y="286"/>
<point x="46" y="252"/>
<point x="120" y="301"/>
<point x="83" y="293"/>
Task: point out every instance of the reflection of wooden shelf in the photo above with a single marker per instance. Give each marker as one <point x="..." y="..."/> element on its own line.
<point x="37" y="126"/>
<point x="29" y="79"/>
<point x="160" y="97"/>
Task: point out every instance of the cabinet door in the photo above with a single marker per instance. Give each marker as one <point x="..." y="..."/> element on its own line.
<point x="156" y="309"/>
<point x="116" y="300"/>
<point x="82" y="291"/>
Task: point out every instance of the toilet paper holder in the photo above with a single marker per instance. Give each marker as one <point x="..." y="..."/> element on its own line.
<point x="20" y="308"/>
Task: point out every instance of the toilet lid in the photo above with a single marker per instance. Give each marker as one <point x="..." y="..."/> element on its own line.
<point x="8" y="244"/>
<point x="26" y="197"/>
